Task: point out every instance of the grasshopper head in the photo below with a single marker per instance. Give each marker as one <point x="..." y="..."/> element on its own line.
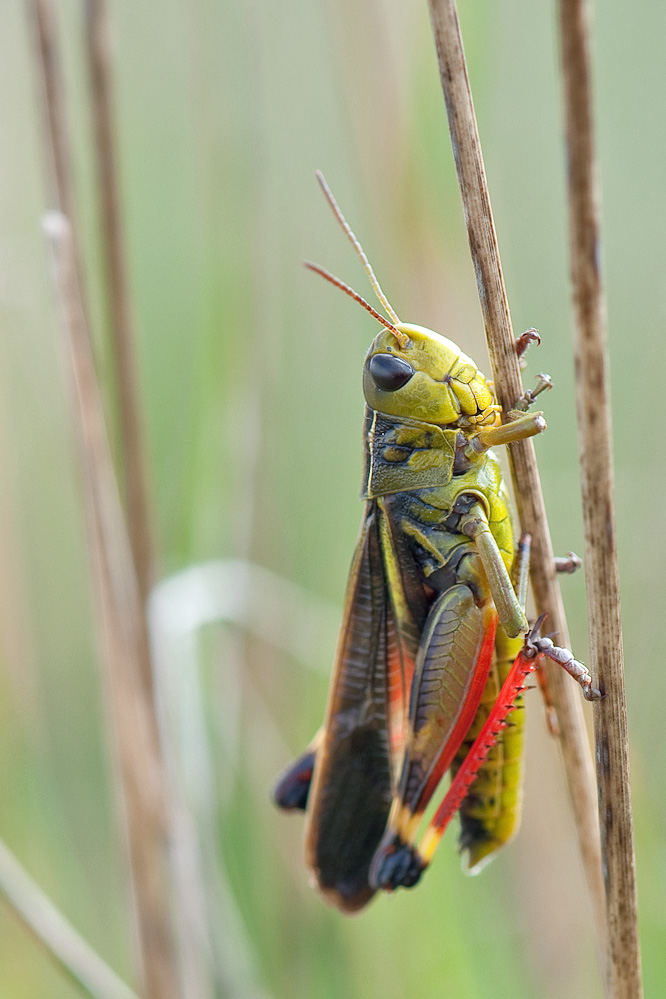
<point x="427" y="379"/>
<point x="410" y="371"/>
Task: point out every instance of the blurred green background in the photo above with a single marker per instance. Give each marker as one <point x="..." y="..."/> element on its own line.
<point x="250" y="376"/>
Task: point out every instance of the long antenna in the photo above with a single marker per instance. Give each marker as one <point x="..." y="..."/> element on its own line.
<point x="328" y="194"/>
<point x="402" y="338"/>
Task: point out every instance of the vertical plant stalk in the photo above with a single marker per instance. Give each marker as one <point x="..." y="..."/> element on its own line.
<point x="123" y="629"/>
<point x="122" y="326"/>
<point x="597" y="479"/>
<point x="190" y="914"/>
<point x="525" y="474"/>
<point x="121" y="612"/>
<point x="58" y="937"/>
<point x="54" y="104"/>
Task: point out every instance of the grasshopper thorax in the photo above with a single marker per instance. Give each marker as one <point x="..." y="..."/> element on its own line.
<point x="428" y="379"/>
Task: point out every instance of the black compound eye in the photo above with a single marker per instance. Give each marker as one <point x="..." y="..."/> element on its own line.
<point x="389" y="372"/>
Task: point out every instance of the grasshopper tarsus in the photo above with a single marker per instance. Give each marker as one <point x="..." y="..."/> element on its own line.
<point x="543" y="384"/>
<point x="525" y="340"/>
<point x="568" y="563"/>
<point x="545" y="647"/>
<point x="396" y="865"/>
<point x="292" y="788"/>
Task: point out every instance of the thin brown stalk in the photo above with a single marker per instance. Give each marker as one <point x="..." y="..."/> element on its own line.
<point x="597" y="479"/>
<point x="58" y="937"/>
<point x="120" y="609"/>
<point x="54" y="104"/>
<point x="122" y="325"/>
<point x="529" y="497"/>
<point x="55" y="119"/>
<point x="123" y="629"/>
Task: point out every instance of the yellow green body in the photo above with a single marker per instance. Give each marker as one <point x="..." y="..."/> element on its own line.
<point x="447" y="390"/>
<point x="430" y="627"/>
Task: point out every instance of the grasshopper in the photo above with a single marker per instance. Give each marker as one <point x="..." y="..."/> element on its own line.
<point x="434" y="644"/>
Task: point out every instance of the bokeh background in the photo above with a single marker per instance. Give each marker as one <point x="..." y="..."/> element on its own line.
<point x="250" y="380"/>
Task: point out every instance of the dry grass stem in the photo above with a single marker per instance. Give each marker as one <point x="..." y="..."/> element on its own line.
<point x="529" y="497"/>
<point x="123" y="629"/>
<point x="54" y="106"/>
<point x="596" y="473"/>
<point x="122" y="326"/>
<point x="120" y="609"/>
<point x="55" y="119"/>
<point x="61" y="941"/>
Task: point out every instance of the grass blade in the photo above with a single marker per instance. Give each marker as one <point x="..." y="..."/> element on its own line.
<point x="125" y="645"/>
<point x="59" y="938"/>
<point x="597" y="482"/>
<point x="121" y="320"/>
